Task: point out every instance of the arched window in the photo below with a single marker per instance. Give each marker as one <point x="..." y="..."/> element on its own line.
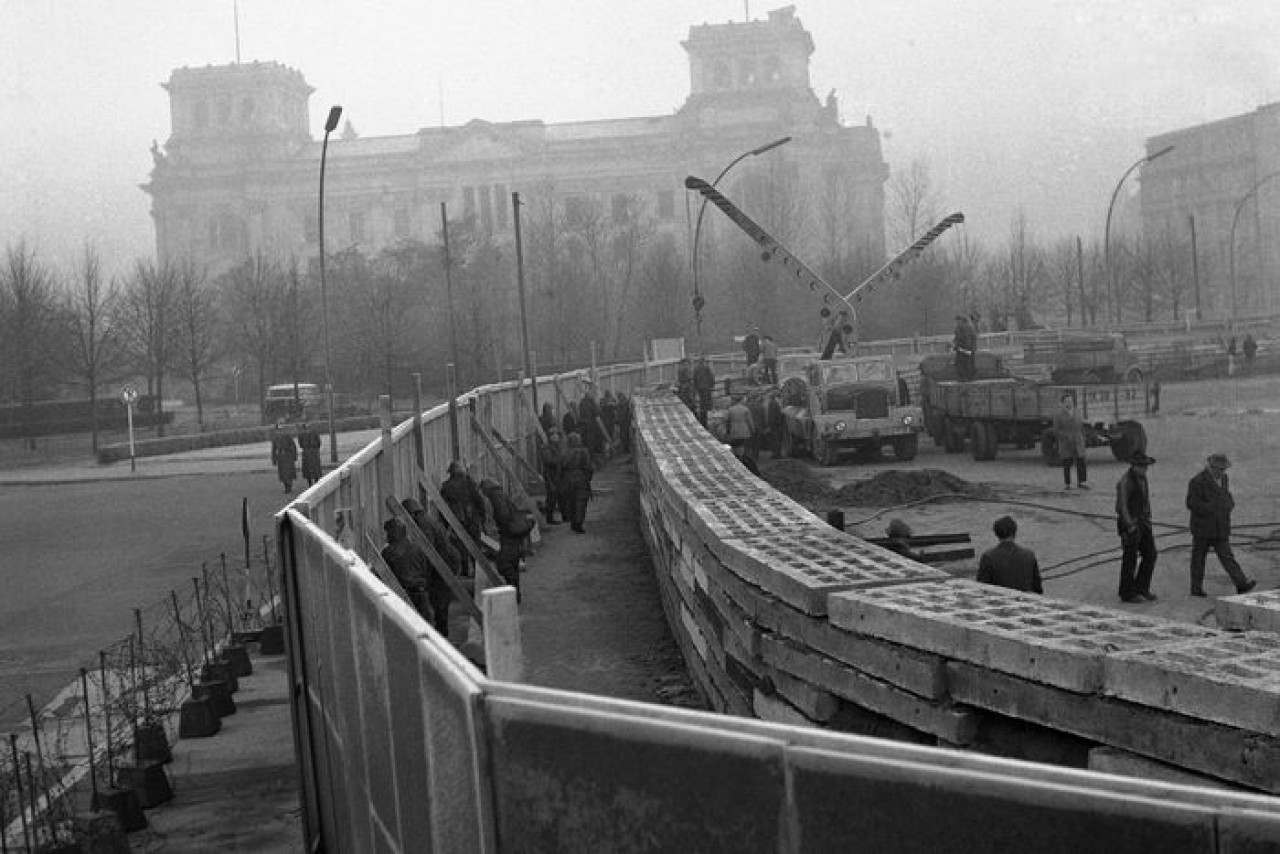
<point x="720" y="77"/>
<point x="226" y="234"/>
<point x="772" y="73"/>
<point x="747" y="74"/>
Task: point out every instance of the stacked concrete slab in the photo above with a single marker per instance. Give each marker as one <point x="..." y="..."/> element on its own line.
<point x="783" y="618"/>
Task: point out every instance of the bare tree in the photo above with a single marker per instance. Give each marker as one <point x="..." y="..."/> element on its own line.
<point x="29" y="314"/>
<point x="1062" y="271"/>
<point x="256" y="302"/>
<point x="196" y="329"/>
<point x="1018" y="276"/>
<point x="148" y="306"/>
<point x="95" y="348"/>
<point x="912" y="202"/>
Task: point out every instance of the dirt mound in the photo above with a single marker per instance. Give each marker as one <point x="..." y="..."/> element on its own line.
<point x="887" y="488"/>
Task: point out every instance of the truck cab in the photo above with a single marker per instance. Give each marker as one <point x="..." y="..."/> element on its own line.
<point x="849" y="404"/>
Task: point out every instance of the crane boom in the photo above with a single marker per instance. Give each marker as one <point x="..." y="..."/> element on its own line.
<point x="772" y="250"/>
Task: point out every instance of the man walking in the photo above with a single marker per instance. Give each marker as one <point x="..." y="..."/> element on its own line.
<point x="1069" y="431"/>
<point x="965" y="345"/>
<point x="1133" y="523"/>
<point x="1009" y="564"/>
<point x="1210" y="502"/>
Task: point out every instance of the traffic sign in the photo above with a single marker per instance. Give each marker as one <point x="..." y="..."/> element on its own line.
<point x="129" y="394"/>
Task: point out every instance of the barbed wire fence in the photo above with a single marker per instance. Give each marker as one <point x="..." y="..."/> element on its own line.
<point x="101" y="746"/>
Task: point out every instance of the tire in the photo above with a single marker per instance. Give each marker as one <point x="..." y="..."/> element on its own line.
<point x="982" y="440"/>
<point x="1127" y="437"/>
<point x="906" y="447"/>
<point x="823" y="452"/>
<point x="1090" y="377"/>
<point x="952" y="437"/>
<point x="787" y="444"/>
<point x="1133" y="375"/>
<point x="1049" y="448"/>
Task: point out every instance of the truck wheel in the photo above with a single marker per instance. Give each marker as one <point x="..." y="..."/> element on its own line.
<point x="982" y="440"/>
<point x="1127" y="437"/>
<point x="952" y="437"/>
<point x="823" y="451"/>
<point x="933" y="423"/>
<point x="788" y="444"/>
<point x="1049" y="448"/>
<point x="1133" y="375"/>
<point x="906" y="447"/>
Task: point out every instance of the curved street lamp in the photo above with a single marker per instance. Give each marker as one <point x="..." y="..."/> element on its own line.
<point x="330" y="123"/>
<point x="698" y="301"/>
<point x="1231" y="247"/>
<point x="1106" y="236"/>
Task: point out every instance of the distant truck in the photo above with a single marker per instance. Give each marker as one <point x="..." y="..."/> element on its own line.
<point x="998" y="409"/>
<point x="848" y="404"/>
<point x="1083" y="357"/>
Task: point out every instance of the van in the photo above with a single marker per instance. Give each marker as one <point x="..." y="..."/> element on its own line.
<point x="292" y="402"/>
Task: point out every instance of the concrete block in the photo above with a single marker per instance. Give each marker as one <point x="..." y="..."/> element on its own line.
<point x="1233" y="679"/>
<point x="812" y="700"/>
<point x="694" y="633"/>
<point x="1224" y="752"/>
<point x="845" y="802"/>
<point x="919" y="672"/>
<point x="1113" y="760"/>
<point x="763" y="514"/>
<point x="803" y="564"/>
<point x="771" y="707"/>
<point x="1258" y="610"/>
<point x="944" y="720"/>
<point x="1054" y="641"/>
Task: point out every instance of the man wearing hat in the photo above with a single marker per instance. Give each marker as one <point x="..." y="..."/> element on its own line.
<point x="1210" y="502"/>
<point x="1133" y="523"/>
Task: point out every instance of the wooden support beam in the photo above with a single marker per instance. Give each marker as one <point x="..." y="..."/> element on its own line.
<point x="437" y="561"/>
<point x="455" y="525"/>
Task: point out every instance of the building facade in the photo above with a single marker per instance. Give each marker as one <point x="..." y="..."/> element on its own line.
<point x="1221" y="176"/>
<point x="239" y="171"/>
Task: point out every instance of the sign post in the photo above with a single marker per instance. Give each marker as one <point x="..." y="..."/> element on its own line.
<point x="129" y="395"/>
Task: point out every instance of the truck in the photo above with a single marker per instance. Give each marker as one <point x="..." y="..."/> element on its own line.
<point x="998" y="409"/>
<point x="1083" y="357"/>
<point x="848" y="404"/>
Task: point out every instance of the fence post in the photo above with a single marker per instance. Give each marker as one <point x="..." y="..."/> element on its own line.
<point x="386" y="468"/>
<point x="503" y="658"/>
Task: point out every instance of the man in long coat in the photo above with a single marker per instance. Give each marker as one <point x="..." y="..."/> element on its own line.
<point x="1069" y="431"/>
<point x="1210" y="502"/>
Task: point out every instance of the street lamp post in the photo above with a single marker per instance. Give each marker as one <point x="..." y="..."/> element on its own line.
<point x="1231" y="246"/>
<point x="698" y="302"/>
<point x="330" y="123"/>
<point x="1106" y="237"/>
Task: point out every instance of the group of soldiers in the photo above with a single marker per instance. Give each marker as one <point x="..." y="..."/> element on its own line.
<point x="284" y="454"/>
<point x="427" y="588"/>
<point x="581" y="439"/>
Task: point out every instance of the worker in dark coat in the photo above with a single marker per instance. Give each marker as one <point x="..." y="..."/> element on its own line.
<point x="684" y="387"/>
<point x="463" y="497"/>
<point x="751" y="346"/>
<point x="1133" y="523"/>
<point x="511" y="526"/>
<point x="408" y="564"/>
<point x="1210" y="502"/>
<point x="704" y="382"/>
<point x="577" y="473"/>
<point x="589" y="424"/>
<point x="1009" y="564"/>
<point x="439" y="594"/>
<point x="309" y="441"/>
<point x="284" y="453"/>
<point x="553" y="477"/>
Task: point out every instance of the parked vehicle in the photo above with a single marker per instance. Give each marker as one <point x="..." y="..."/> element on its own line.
<point x="292" y="402"/>
<point x="848" y="404"/>
<point x="998" y="409"/>
<point x="1083" y="357"/>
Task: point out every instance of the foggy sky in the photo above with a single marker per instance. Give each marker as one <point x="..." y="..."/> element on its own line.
<point x="1034" y="105"/>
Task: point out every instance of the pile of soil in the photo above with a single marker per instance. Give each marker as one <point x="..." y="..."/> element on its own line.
<point x="797" y="481"/>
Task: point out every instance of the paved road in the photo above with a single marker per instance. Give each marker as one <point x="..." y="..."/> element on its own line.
<point x="82" y="545"/>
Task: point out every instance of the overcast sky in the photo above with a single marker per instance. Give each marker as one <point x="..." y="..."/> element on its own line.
<point x="1035" y="105"/>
